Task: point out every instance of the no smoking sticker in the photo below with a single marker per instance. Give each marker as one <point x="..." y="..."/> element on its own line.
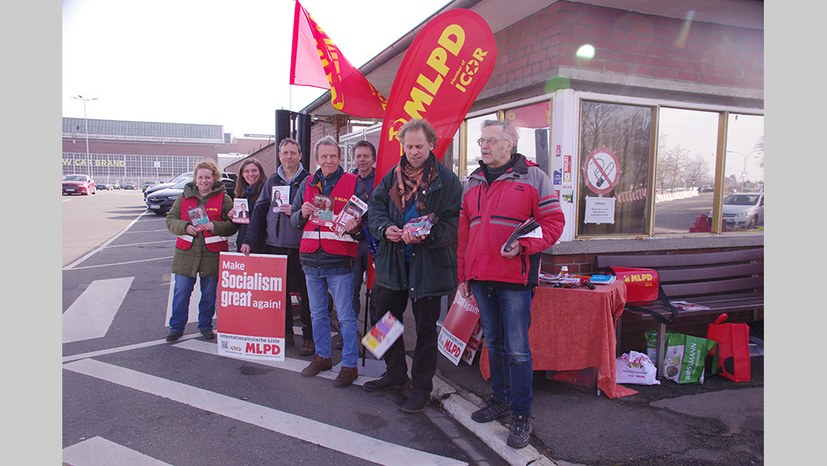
<point x="601" y="171"/>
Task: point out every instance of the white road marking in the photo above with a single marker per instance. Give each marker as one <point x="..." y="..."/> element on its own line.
<point x="103" y="246"/>
<point x="98" y="451"/>
<point x="290" y="364"/>
<point x="308" y="430"/>
<point x="121" y="263"/>
<point x="92" y="313"/>
<point x="146" y="344"/>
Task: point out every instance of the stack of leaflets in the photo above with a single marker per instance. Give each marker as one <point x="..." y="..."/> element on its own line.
<point x="323" y="215"/>
<point x="528" y="229"/>
<point x="354" y="208"/>
<point x="687" y="306"/>
<point x="602" y="279"/>
<point x="383" y="335"/>
<point x="548" y="279"/>
<point x="420" y="226"/>
<point x="198" y="217"/>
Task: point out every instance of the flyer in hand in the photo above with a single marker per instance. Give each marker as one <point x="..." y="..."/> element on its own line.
<point x="242" y="212"/>
<point x="383" y="335"/>
<point x="280" y="196"/>
<point x="323" y="215"/>
<point x="354" y="208"/>
<point x="420" y="226"/>
<point x="528" y="229"/>
<point x="198" y="217"/>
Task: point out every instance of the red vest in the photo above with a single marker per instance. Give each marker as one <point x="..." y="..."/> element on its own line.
<point x="214" y="207"/>
<point x="315" y="236"/>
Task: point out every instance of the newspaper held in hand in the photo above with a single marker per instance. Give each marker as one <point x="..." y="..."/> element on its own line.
<point x="323" y="215"/>
<point x="242" y="212"/>
<point x="420" y="226"/>
<point x="528" y="229"/>
<point x="198" y="217"/>
<point x="354" y="208"/>
<point x="383" y="335"/>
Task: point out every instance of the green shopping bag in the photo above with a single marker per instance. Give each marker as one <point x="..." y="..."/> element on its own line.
<point x="686" y="355"/>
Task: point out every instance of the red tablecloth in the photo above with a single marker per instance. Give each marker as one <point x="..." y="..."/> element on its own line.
<point x="574" y="328"/>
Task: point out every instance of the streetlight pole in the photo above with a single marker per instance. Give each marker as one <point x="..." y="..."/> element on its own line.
<point x="744" y="171"/>
<point x="86" y="131"/>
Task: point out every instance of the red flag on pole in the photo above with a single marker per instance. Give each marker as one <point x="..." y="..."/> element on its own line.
<point x="443" y="72"/>
<point x="317" y="62"/>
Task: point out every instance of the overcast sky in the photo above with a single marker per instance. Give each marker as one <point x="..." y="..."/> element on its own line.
<point x="210" y="61"/>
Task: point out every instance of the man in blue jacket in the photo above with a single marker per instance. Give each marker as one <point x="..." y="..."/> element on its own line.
<point x="421" y="269"/>
<point x="273" y="217"/>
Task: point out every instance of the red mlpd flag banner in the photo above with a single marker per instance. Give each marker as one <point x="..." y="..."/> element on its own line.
<point x="443" y="72"/>
<point x="317" y="62"/>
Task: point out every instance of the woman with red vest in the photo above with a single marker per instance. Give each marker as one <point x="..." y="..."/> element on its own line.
<point x="327" y="259"/>
<point x="200" y="219"/>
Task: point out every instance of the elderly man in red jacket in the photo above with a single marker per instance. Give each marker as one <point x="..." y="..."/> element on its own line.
<point x="502" y="193"/>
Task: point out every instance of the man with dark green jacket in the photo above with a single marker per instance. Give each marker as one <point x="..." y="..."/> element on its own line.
<point x="422" y="268"/>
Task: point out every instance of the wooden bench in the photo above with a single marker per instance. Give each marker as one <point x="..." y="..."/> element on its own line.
<point x="726" y="281"/>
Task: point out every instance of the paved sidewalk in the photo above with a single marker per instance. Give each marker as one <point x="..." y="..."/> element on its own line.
<point x="719" y="422"/>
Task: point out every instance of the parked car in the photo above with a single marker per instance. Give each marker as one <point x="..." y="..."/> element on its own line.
<point x="742" y="210"/>
<point x="79" y="184"/>
<point x="161" y="200"/>
<point x="183" y="176"/>
<point x="149" y="183"/>
<point x="130" y="185"/>
<point x="229" y="180"/>
<point x="106" y="186"/>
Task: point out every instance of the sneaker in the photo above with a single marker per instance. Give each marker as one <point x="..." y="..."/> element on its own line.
<point x="386" y="383"/>
<point x="308" y="348"/>
<point x="173" y="336"/>
<point x="520" y="431"/>
<point x="317" y="365"/>
<point x="416" y="402"/>
<point x="346" y="377"/>
<point x="493" y="409"/>
<point x="289" y="341"/>
<point x="208" y="334"/>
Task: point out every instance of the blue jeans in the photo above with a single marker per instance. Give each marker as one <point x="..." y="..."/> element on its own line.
<point x="181" y="294"/>
<point x="340" y="282"/>
<point x="505" y="316"/>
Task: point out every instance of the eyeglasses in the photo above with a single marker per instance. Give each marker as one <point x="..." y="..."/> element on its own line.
<point x="490" y="141"/>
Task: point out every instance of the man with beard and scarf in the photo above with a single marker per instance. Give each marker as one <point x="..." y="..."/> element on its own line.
<point x="419" y="268"/>
<point x="327" y="260"/>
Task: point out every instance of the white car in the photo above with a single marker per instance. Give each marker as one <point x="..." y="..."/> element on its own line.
<point x="743" y="210"/>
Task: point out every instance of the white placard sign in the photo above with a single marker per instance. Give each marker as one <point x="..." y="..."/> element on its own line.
<point x="600" y="210"/>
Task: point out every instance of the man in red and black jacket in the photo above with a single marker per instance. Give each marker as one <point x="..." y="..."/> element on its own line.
<point x="501" y="194"/>
<point x="327" y="258"/>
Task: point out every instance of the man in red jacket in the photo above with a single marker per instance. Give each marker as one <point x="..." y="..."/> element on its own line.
<point x="502" y="193"/>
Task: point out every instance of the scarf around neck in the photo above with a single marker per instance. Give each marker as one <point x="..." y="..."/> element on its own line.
<point x="411" y="182"/>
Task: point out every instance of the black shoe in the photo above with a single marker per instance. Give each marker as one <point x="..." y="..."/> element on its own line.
<point x="386" y="383"/>
<point x="208" y="334"/>
<point x="520" y="431"/>
<point x="416" y="402"/>
<point x="173" y="336"/>
<point x="493" y="409"/>
<point x="340" y="344"/>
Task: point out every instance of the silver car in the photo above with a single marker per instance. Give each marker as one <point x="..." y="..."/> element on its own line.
<point x="743" y="210"/>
